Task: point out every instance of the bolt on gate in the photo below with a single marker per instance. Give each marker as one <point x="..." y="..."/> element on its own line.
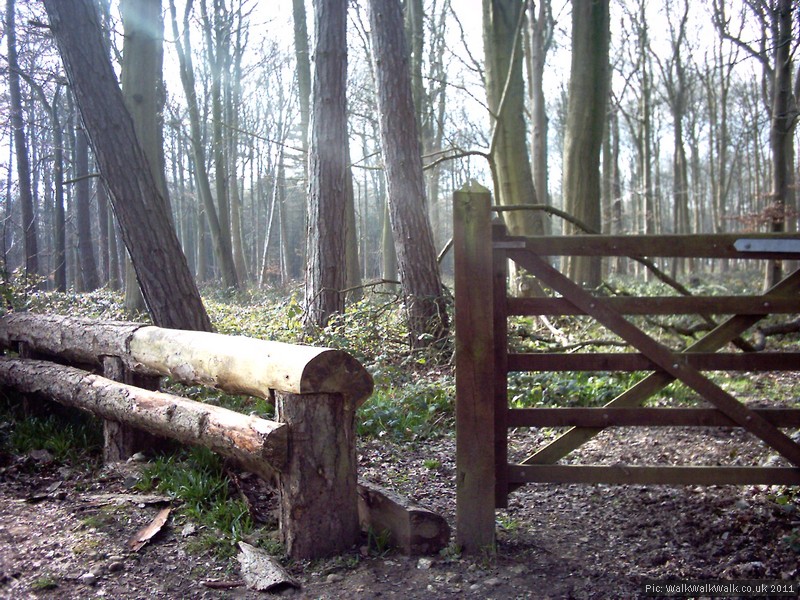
<point x="483" y="361"/>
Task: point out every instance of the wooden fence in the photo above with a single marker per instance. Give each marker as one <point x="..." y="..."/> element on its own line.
<point x="308" y="452"/>
<point x="483" y="361"/>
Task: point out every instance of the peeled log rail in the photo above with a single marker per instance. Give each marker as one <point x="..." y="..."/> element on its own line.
<point x="259" y="445"/>
<point x="234" y="364"/>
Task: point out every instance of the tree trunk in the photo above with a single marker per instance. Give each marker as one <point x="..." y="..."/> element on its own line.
<point x="169" y="290"/>
<point x="327" y="202"/>
<point x="59" y="218"/>
<point x="143" y="88"/>
<point x="21" y="147"/>
<point x="416" y="255"/>
<point x="217" y="60"/>
<point x="232" y="81"/>
<point x="781" y="132"/>
<point x="586" y="116"/>
<point x="303" y="61"/>
<point x="353" y="279"/>
<point x="540" y="27"/>
<point x="114" y="278"/>
<point x="83" y="215"/>
<point x="318" y="471"/>
<point x="505" y="92"/>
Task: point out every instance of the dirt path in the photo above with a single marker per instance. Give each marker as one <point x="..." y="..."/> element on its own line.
<point x="553" y="541"/>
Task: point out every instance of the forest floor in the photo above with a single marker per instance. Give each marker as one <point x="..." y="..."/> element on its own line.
<point x="63" y="530"/>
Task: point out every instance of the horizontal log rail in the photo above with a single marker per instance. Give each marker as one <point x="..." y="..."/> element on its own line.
<point x="235" y="364"/>
<point x="257" y="444"/>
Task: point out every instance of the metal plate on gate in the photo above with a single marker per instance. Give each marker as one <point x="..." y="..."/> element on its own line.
<point x="510" y="245"/>
<point x="791" y="246"/>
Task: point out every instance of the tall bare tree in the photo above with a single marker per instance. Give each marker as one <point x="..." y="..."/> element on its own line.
<point x="677" y="90"/>
<point x="21" y="146"/>
<point x="586" y="116"/>
<point x="167" y="285"/>
<point x="774" y="51"/>
<point x="416" y="255"/>
<point x="326" y="267"/>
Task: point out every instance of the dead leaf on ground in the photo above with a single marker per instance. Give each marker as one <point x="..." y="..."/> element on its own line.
<point x="146" y="533"/>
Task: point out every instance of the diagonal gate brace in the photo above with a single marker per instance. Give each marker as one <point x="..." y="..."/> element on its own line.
<point x="660" y="355"/>
<point x="634" y="396"/>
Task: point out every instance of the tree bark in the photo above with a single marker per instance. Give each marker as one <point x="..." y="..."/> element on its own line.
<point x="327" y="202"/>
<point x="169" y="290"/>
<point x="21" y="147"/>
<point x="317" y="471"/>
<point x="586" y="116"/>
<point x="416" y="255"/>
<point x="88" y="264"/>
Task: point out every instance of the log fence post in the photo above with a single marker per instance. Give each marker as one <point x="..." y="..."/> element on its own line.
<point x="318" y="485"/>
<point x="121" y="441"/>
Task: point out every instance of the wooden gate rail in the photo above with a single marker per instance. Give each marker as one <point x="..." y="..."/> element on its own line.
<point x="309" y="452"/>
<point x="483" y="361"/>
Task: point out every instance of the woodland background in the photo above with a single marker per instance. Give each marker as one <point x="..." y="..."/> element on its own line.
<point x="633" y="116"/>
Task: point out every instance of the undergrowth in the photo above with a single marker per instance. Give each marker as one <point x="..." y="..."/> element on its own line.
<point x="196" y="479"/>
<point x="69" y="436"/>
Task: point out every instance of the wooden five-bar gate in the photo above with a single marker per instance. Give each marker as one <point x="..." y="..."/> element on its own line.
<point x="483" y="361"/>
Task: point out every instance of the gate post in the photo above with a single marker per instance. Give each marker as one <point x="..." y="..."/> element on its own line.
<point x="475" y="365"/>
